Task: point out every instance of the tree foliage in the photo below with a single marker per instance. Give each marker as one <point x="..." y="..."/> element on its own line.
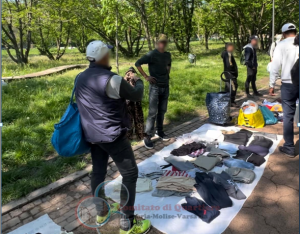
<point x="51" y="25"/>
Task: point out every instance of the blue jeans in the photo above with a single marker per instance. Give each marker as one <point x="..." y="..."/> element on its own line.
<point x="238" y="163"/>
<point x="289" y="95"/>
<point x="158" y="103"/>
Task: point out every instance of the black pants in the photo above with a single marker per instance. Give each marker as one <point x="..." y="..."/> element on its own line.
<point x="122" y="154"/>
<point x="251" y="78"/>
<point x="289" y="95"/>
<point x="234" y="86"/>
<point x="158" y="103"/>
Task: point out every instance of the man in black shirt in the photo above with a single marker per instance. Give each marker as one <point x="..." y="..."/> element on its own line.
<point x="231" y="70"/>
<point x="159" y="64"/>
<point x="251" y="63"/>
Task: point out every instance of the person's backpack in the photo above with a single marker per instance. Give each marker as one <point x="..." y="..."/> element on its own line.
<point x="243" y="59"/>
<point x="295" y="73"/>
<point x="68" y="139"/>
<point x="269" y="50"/>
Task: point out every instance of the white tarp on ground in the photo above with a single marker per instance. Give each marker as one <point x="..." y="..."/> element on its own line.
<point x="169" y="217"/>
<point x="43" y="225"/>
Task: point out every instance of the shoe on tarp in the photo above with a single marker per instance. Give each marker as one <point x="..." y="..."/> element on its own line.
<point x="101" y="220"/>
<point x="139" y="227"/>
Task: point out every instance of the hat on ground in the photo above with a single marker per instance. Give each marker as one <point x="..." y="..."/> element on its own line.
<point x="288" y="27"/>
<point x="162" y="38"/>
<point x="96" y="50"/>
<point x="253" y="37"/>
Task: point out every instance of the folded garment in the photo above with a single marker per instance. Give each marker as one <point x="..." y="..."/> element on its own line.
<point x="239" y="138"/>
<point x="248" y="156"/>
<point x="228" y="147"/>
<point x="230" y="162"/>
<point x="180" y="163"/>
<point x="215" y="152"/>
<point x="257" y="149"/>
<point x="199" y="208"/>
<point x="192" y="172"/>
<point x="228" y="184"/>
<point x="242" y="175"/>
<point x="176" y="183"/>
<point x="197" y="153"/>
<point x="262" y="141"/>
<point x="206" y="163"/>
<point x="175" y="173"/>
<point x="142" y="185"/>
<point x="169" y="193"/>
<point x="151" y="170"/>
<point x="187" y="149"/>
<point x="212" y="193"/>
<point x="265" y="134"/>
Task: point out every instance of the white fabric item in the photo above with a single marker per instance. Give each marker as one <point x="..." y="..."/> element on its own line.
<point x="285" y="56"/>
<point x="43" y="224"/>
<point x="171" y="217"/>
<point x="113" y="87"/>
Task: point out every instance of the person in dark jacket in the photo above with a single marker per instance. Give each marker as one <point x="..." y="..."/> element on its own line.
<point x="159" y="64"/>
<point x="231" y="71"/>
<point x="101" y="98"/>
<point x="251" y="63"/>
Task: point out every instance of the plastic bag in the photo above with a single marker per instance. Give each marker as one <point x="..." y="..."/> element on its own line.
<point x="255" y="120"/>
<point x="268" y="116"/>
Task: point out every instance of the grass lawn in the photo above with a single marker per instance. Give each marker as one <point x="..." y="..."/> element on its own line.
<point x="30" y="108"/>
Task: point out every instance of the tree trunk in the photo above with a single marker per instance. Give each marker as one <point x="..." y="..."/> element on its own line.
<point x="206" y="40"/>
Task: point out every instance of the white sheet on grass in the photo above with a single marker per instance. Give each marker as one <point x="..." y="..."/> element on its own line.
<point x="43" y="225"/>
<point x="167" y="215"/>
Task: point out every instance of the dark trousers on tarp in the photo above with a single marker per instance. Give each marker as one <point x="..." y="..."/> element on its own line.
<point x="122" y="155"/>
<point x="289" y="95"/>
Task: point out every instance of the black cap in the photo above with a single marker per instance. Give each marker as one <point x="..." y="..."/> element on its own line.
<point x="253" y="37"/>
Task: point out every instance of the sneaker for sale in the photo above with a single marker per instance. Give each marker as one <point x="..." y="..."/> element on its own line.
<point x="148" y="143"/>
<point x="162" y="136"/>
<point x="101" y="220"/>
<point x="139" y="227"/>
<point x="287" y="152"/>
<point x="258" y="94"/>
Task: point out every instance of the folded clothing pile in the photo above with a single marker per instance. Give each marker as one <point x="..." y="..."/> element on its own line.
<point x="250" y="157"/>
<point x="228" y="184"/>
<point x="150" y="170"/>
<point x="239" y="138"/>
<point x="212" y="193"/>
<point x="176" y="183"/>
<point x="260" y="145"/>
<point x="179" y="163"/>
<point x="142" y="185"/>
<point x="206" y="163"/>
<point x="230" y="162"/>
<point x="216" y="152"/>
<point x="242" y="175"/>
<point x="188" y="149"/>
<point x="175" y="173"/>
<point x="169" y="193"/>
<point x="199" y="208"/>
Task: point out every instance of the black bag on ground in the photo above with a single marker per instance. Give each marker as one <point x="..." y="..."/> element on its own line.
<point x="218" y="106"/>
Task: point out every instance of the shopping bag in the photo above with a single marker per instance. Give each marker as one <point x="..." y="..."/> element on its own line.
<point x="254" y="120"/>
<point x="218" y="107"/>
<point x="68" y="139"/>
<point x="268" y="115"/>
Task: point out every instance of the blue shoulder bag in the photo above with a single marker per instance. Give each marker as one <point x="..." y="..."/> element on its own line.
<point x="68" y="138"/>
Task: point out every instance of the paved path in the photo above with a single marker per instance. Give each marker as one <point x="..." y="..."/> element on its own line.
<point x="45" y="72"/>
<point x="273" y="206"/>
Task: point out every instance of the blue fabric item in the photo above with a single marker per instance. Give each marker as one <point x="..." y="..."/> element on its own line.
<point x="238" y="163"/>
<point x="268" y="115"/>
<point x="68" y="138"/>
